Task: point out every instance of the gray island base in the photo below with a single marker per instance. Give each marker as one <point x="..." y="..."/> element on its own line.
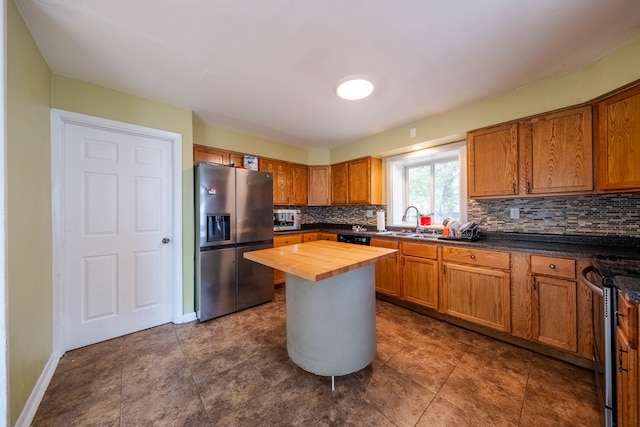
<point x="331" y="323"/>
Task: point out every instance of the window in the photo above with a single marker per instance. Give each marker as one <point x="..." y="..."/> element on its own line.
<point x="432" y="180"/>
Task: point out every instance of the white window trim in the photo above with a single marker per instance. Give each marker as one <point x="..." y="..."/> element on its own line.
<point x="395" y="174"/>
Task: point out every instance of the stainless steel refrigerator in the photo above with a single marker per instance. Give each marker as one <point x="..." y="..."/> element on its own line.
<point x="233" y="215"/>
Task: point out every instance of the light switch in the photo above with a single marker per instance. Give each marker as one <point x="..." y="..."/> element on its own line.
<point x="515" y="213"/>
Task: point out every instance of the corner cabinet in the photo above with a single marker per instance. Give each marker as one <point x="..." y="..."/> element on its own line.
<point x="387" y="275"/>
<point x="619" y="141"/>
<point x="554" y="302"/>
<point x="420" y="274"/>
<point x="476" y="286"/>
<point x="319" y="185"/>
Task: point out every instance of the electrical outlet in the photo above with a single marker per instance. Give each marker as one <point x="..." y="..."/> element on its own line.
<point x="515" y="213"/>
<point x="369" y="214"/>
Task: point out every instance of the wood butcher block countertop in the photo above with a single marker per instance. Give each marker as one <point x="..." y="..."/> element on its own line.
<point x="320" y="259"/>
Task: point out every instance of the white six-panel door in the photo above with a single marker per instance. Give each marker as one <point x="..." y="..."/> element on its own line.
<point x="117" y="212"/>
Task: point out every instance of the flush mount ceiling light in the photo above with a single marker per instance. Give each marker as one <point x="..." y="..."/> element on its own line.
<point x="353" y="88"/>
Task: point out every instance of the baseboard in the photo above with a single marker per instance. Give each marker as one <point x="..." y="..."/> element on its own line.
<point x="189" y="317"/>
<point x="30" y="408"/>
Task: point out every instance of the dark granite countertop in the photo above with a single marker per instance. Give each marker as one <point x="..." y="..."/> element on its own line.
<point x="625" y="251"/>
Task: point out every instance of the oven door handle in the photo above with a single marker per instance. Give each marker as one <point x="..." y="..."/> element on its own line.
<point x="585" y="280"/>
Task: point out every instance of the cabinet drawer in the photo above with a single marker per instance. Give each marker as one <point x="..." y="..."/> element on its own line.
<point x="628" y="319"/>
<point x="290" y="239"/>
<point x="551" y="266"/>
<point x="382" y="243"/>
<point x="482" y="257"/>
<point x="309" y="237"/>
<point x="420" y="250"/>
<point x="328" y="236"/>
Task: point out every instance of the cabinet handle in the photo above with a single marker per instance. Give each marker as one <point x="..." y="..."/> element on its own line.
<point x="620" y="368"/>
<point x="514" y="188"/>
<point x="535" y="284"/>
<point x="528" y="187"/>
<point x="618" y="316"/>
<point x="552" y="266"/>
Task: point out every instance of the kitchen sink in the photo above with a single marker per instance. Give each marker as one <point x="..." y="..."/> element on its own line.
<point x="408" y="234"/>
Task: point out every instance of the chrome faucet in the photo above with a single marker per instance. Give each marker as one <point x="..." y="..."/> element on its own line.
<point x="404" y="217"/>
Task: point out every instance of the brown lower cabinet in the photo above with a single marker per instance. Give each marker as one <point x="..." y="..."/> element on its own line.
<point x="420" y="274"/>
<point x="328" y="236"/>
<point x="291" y="239"/>
<point x="284" y="240"/>
<point x="554" y="302"/>
<point x="476" y="286"/>
<point x="387" y="270"/>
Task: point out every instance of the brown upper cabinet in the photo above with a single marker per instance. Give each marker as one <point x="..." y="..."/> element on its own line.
<point x="319" y="185"/>
<point x="210" y="155"/>
<point x="557" y="152"/>
<point x="619" y="141"/>
<point x="290" y="181"/>
<point x="547" y="154"/>
<point x="339" y="183"/>
<point x="357" y="181"/>
<point x="299" y="184"/>
<point x="203" y="153"/>
<point x="492" y="161"/>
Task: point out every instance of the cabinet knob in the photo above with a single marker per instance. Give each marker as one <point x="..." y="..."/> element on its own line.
<point x="552" y="266"/>
<point x="473" y="257"/>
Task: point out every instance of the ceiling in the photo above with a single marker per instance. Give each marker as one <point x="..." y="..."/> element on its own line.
<point x="268" y="68"/>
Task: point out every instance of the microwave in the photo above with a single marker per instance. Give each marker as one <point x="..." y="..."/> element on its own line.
<point x="286" y="219"/>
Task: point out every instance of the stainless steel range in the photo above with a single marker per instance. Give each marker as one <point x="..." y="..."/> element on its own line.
<point x="604" y="327"/>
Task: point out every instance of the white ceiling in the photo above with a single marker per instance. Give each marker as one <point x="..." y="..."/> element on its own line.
<point x="268" y="68"/>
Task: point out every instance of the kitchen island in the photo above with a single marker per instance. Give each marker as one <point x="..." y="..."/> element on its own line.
<point x="330" y="301"/>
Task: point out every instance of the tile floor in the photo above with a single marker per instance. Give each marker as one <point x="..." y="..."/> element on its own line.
<point x="234" y="371"/>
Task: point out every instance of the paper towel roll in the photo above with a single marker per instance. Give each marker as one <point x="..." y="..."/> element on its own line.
<point x="381" y="221"/>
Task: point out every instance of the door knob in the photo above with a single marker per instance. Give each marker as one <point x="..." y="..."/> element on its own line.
<point x="166" y="240"/>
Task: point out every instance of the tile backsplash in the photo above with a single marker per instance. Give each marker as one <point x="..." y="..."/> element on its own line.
<point x="593" y="215"/>
<point x="352" y="215"/>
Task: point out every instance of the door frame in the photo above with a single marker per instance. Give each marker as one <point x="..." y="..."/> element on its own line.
<point x="58" y="120"/>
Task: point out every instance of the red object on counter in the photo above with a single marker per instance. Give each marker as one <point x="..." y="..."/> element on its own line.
<point x="425" y="220"/>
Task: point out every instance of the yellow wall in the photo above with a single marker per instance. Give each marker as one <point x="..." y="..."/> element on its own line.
<point x="616" y="69"/>
<point x="29" y="253"/>
<point x="81" y="97"/>
<point x="31" y="90"/>
<point x="204" y="134"/>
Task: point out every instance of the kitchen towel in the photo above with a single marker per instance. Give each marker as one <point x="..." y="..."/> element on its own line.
<point x="380" y="218"/>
